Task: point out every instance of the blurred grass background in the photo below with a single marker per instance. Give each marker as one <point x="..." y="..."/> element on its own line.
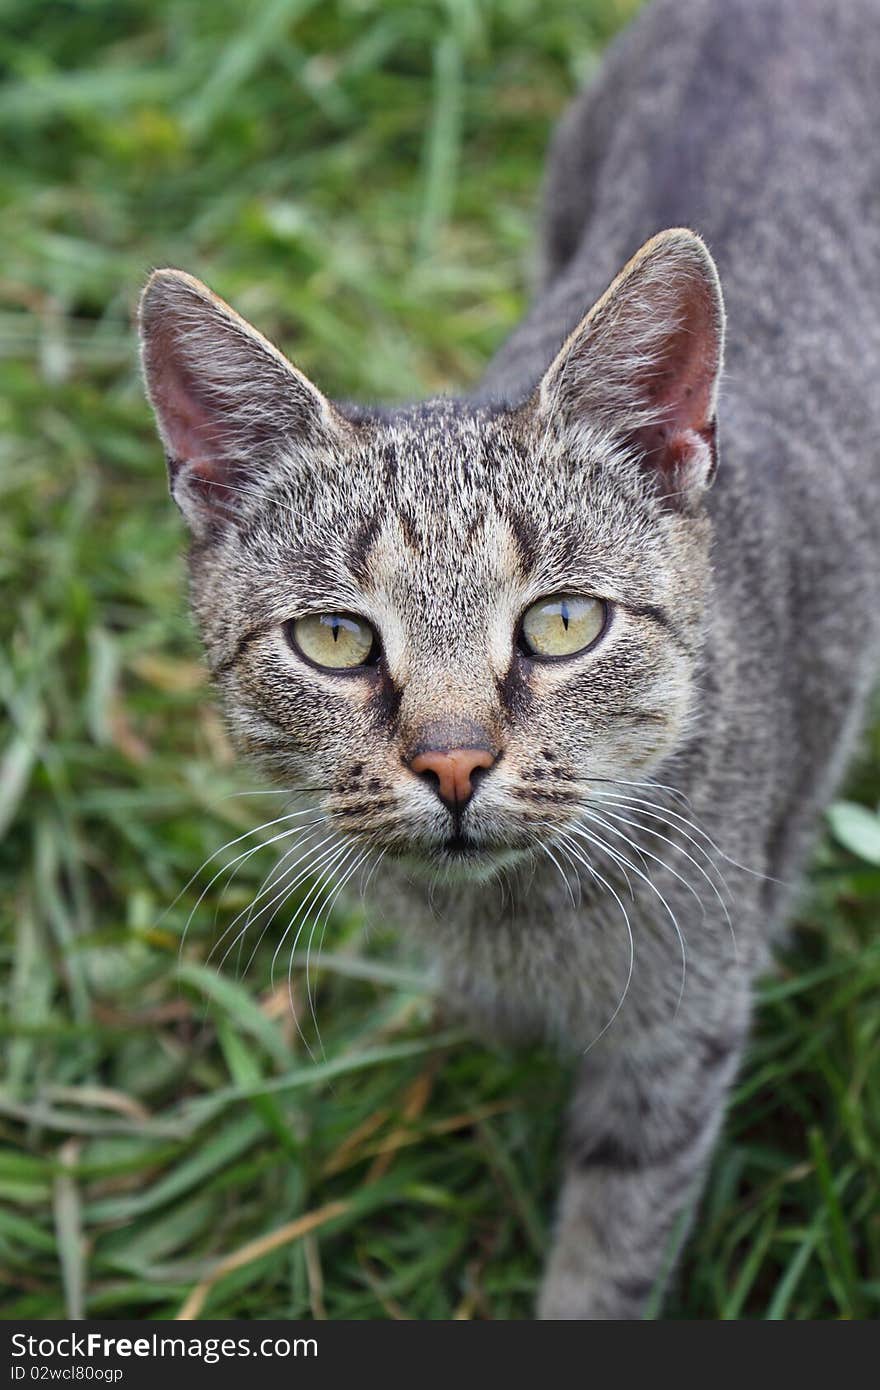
<point x="359" y="177"/>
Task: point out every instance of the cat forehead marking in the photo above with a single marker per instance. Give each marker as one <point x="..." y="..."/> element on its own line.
<point x="449" y="590"/>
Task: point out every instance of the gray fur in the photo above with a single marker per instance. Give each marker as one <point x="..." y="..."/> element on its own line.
<point x="746" y="615"/>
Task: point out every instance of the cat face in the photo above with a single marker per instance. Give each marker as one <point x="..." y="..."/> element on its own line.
<point x="452" y="623"/>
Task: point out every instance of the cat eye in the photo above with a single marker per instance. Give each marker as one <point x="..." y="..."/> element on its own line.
<point x="562" y="625"/>
<point x="334" y="641"/>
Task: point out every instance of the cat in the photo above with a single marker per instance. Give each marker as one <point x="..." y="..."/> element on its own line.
<point x="604" y="629"/>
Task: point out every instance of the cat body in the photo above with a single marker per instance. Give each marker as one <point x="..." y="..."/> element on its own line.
<point x="600" y="844"/>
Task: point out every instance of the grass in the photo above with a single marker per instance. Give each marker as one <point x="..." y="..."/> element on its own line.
<point x="359" y="178"/>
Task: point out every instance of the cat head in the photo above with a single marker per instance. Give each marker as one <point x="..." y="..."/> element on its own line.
<point x="452" y="623"/>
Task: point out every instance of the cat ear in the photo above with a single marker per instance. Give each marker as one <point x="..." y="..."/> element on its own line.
<point x="645" y="363"/>
<point x="227" y="403"/>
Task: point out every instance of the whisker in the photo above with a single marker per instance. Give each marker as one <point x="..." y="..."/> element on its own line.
<point x="635" y="805"/>
<point x="326" y="863"/>
<point x="610" y="815"/>
<point x="325" y="885"/>
<point x="317" y="860"/>
<point x="683" y="820"/>
<point x="366" y="883"/>
<point x="275" y="791"/>
<point x="230" y="844"/>
<point x="289" y="891"/>
<point x="573" y="849"/>
<point x="566" y="854"/>
<point x="267" y="880"/>
<point x="280" y="898"/>
<point x="562" y="874"/>
<point x="325" y="917"/>
<point x="646" y="854"/>
<point x="616" y="859"/>
<point x="283" y="893"/>
<point x="541" y="846"/>
<point x="649" y="783"/>
<point x="621" y="859"/>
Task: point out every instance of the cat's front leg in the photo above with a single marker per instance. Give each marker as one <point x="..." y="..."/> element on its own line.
<point x="642" y="1128"/>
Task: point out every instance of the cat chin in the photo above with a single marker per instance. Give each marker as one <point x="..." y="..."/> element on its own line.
<point x="461" y="864"/>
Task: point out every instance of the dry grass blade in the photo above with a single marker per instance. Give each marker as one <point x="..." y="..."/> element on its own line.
<point x="255" y="1250"/>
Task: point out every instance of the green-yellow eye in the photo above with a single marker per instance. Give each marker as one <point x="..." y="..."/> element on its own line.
<point x="562" y="625"/>
<point x="336" y="641"/>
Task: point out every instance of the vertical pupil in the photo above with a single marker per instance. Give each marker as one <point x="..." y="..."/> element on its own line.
<point x="334" y="628"/>
<point x="563" y="613"/>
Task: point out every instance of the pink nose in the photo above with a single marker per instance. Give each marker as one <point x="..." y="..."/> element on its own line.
<point x="453" y="769"/>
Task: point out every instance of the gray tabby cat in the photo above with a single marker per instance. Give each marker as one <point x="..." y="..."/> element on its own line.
<point x="531" y="635"/>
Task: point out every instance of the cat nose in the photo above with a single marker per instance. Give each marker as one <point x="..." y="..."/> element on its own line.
<point x="452" y="771"/>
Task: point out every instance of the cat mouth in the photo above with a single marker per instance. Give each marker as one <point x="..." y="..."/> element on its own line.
<point x="463" y="855"/>
<point x="459" y="846"/>
<point x="460" y="858"/>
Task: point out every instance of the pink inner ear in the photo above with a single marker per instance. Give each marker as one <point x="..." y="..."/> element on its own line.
<point x="682" y="388"/>
<point x="681" y="440"/>
<point x="190" y="428"/>
<point x="195" y="443"/>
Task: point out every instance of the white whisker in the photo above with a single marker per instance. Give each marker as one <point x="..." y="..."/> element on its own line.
<point x="246" y="854"/>
<point x="645" y="854"/>
<point x="650" y="783"/>
<point x="325" y="884"/>
<point x="305" y="873"/>
<point x="573" y="849"/>
<point x="665" y="813"/>
<point x="562" y="874"/>
<point x="285" y="892"/>
<point x="610" y="815"/>
<point x="621" y="859"/>
<point x="317" y="857"/>
<point x="324" y="919"/>
<point x="366" y="882"/>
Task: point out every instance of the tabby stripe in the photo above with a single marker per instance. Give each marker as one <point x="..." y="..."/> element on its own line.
<point x="613" y="1154"/>
<point x="241" y="647"/>
<point x="634" y="1290"/>
<point x="660" y="618"/>
<point x="644" y="716"/>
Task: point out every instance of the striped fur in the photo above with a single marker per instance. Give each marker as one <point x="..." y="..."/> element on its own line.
<point x="621" y="873"/>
